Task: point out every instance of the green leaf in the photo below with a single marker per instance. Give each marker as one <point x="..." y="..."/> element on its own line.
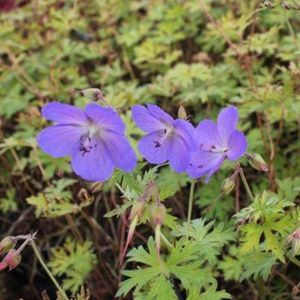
<point x="210" y="240"/>
<point x="258" y="264"/>
<point x="163" y="290"/>
<point x="73" y="261"/>
<point x="9" y="203"/>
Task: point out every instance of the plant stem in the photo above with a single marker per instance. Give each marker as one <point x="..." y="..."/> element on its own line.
<point x="294" y="260"/>
<point x="241" y="172"/>
<point x="190" y="208"/>
<point x="165" y="240"/>
<point x="40" y="259"/>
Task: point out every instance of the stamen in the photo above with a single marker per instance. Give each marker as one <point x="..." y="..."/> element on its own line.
<point x="157" y="144"/>
<point x="86" y="145"/>
<point x="167" y="132"/>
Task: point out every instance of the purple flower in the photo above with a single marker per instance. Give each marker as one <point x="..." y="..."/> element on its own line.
<point x="217" y="142"/>
<point x="94" y="138"/>
<point x="166" y="139"/>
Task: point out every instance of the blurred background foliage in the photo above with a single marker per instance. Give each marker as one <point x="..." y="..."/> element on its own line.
<point x="201" y="54"/>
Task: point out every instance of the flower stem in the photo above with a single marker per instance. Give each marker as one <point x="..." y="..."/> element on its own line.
<point x="190" y="208"/>
<point x="246" y="185"/>
<point x="40" y="259"/>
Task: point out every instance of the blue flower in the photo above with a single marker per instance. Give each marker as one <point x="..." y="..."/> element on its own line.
<point x="217" y="142"/>
<point x="93" y="138"/>
<point x="166" y="139"/>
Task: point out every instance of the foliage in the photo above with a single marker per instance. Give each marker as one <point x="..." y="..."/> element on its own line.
<point x="74" y="261"/>
<point x="201" y="54"/>
<point x="181" y="264"/>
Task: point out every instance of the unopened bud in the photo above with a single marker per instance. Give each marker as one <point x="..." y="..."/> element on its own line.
<point x="182" y="113"/>
<point x="6" y="244"/>
<point x="12" y="259"/>
<point x="294" y="239"/>
<point x="268" y="4"/>
<point x="228" y="185"/>
<point x="257" y="162"/>
<point x="3" y="265"/>
<point x="92" y="94"/>
<point x="286" y="5"/>
<point x="158" y="213"/>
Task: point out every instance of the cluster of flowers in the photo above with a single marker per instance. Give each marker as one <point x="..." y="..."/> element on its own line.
<point x="95" y="140"/>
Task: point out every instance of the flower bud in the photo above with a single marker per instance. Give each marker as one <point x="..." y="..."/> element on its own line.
<point x="227" y="186"/>
<point x="294" y="239"/>
<point x="3" y="265"/>
<point x="6" y="244"/>
<point x="286" y="5"/>
<point x="182" y="113"/>
<point x="92" y="94"/>
<point x="12" y="259"/>
<point x="157" y="213"/>
<point x="257" y="162"/>
<point x="268" y="4"/>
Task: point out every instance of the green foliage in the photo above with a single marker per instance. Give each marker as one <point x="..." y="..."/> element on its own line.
<point x="55" y="200"/>
<point x="9" y="203"/>
<point x="74" y="261"/>
<point x="169" y="53"/>
<point x="158" y="272"/>
<point x="210" y="200"/>
<point x="239" y="265"/>
<point x="209" y="239"/>
<point x="268" y="224"/>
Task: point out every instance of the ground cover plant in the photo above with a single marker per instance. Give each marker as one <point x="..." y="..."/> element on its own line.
<point x="149" y="149"/>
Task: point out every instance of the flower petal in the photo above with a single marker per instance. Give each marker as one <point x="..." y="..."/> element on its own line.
<point x="59" y="140"/>
<point x="159" y="114"/>
<point x="187" y="132"/>
<point x="179" y="154"/>
<point x="63" y="113"/>
<point x="217" y="163"/>
<point x="93" y="165"/>
<point x="145" y="120"/>
<point x="227" y="122"/>
<point x="207" y="136"/>
<point x="105" y="117"/>
<point x="120" y="151"/>
<point x="151" y="148"/>
<point x="201" y="163"/>
<point x="237" y="145"/>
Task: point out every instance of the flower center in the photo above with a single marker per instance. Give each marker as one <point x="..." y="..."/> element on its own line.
<point x="214" y="148"/>
<point x="93" y="130"/>
<point x="88" y="141"/>
<point x="167" y="132"/>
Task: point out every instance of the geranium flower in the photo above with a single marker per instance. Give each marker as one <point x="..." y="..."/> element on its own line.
<point x="93" y="138"/>
<point x="217" y="142"/>
<point x="167" y="139"/>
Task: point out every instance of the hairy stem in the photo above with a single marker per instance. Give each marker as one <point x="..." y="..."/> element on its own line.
<point x="40" y="259"/>
<point x="246" y="185"/>
<point x="190" y="209"/>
